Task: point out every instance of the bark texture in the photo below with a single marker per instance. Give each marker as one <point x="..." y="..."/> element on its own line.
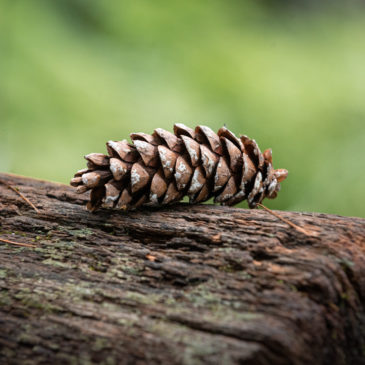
<point x="179" y="285"/>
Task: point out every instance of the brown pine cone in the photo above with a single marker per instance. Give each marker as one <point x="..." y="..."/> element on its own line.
<point x="162" y="168"/>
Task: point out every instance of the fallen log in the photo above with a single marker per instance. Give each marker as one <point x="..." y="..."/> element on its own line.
<point x="179" y="285"/>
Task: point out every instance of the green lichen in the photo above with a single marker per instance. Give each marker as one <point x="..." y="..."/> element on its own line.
<point x="345" y="262"/>
<point x="293" y="287"/>
<point x="55" y="248"/>
<point x="125" y="268"/>
<point x="227" y="268"/>
<point x="198" y="351"/>
<point x="27" y="338"/>
<point x="245" y="275"/>
<point x="78" y="233"/>
<point x="197" y="346"/>
<point x="148" y="299"/>
<point x="3" y="274"/>
<point x="225" y="249"/>
<point x="56" y="263"/>
<point x="79" y="290"/>
<point x="64" y="245"/>
<point x="84" y="359"/>
<point x="100" y="344"/>
<point x="203" y="295"/>
<point x="32" y="300"/>
<point x="7" y="352"/>
<point x="109" y="361"/>
<point x="5" y="299"/>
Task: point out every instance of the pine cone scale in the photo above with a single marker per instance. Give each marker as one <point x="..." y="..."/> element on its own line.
<point x="222" y="174"/>
<point x="168" y="160"/>
<point x="193" y="149"/>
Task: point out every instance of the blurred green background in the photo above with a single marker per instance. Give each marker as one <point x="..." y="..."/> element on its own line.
<point x="76" y="73"/>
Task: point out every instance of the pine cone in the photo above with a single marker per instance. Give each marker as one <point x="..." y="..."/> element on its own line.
<point x="162" y="168"/>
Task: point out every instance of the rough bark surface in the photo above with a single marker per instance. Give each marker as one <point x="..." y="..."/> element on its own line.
<point x="179" y="285"/>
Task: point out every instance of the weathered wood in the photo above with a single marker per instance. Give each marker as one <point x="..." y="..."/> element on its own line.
<point x="179" y="285"/>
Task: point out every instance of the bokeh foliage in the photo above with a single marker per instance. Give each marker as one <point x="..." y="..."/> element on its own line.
<point x="76" y="73"/>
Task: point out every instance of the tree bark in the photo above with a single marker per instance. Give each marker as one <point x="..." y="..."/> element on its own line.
<point x="180" y="285"/>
